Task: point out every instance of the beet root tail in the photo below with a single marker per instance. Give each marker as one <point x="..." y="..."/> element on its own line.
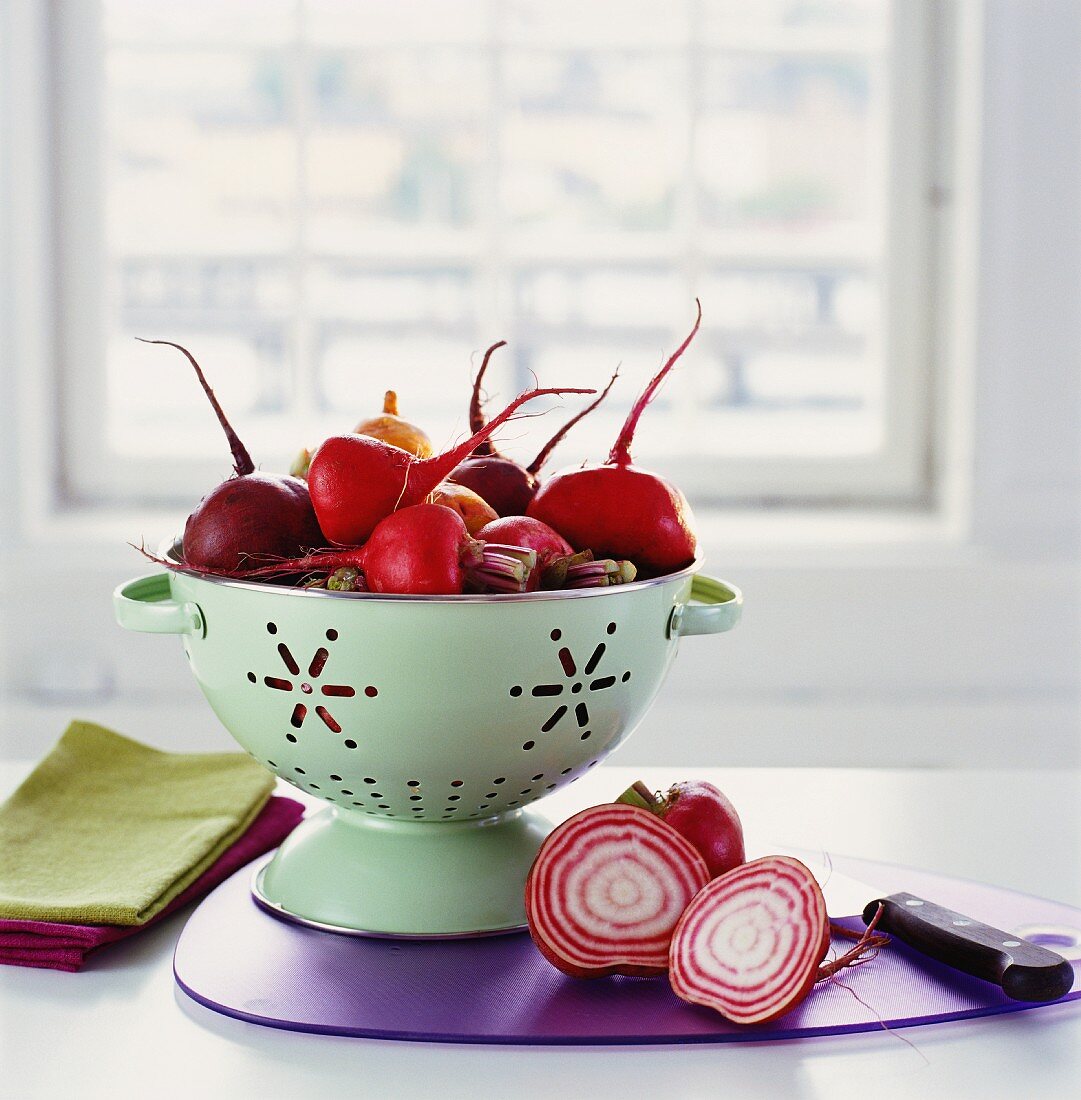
<point x="242" y="462"/>
<point x="423" y="476"/>
<point x="476" y="409"/>
<point x="621" y="451"/>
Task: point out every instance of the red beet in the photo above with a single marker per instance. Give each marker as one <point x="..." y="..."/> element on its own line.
<point x="749" y="944"/>
<point x="700" y="813"/>
<point x="252" y="515"/>
<point x="355" y="480"/>
<point x="505" y="484"/>
<point x="619" y="510"/>
<point x="424" y="549"/>
<point x="427" y="550"/>
<point x="524" y="531"/>
<point x="606" y="890"/>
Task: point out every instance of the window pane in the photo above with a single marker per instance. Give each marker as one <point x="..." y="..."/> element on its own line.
<point x="592" y="141"/>
<point x="396" y="149"/>
<point x="324" y="201"/>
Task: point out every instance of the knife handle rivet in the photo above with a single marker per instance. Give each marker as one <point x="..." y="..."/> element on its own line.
<point x="913" y="902"/>
<point x="961" y="923"/>
<point x="1011" y="943"/>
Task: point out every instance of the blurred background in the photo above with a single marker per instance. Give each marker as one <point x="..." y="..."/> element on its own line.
<point x="878" y="204"/>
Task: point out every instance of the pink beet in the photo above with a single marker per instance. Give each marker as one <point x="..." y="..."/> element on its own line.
<point x="700" y="813"/>
<point x="606" y="890"/>
<point x="749" y="945"/>
<point x="526" y="531"/>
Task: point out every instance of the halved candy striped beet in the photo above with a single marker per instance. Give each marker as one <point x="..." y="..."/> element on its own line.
<point x="749" y="944"/>
<point x="606" y="890"/>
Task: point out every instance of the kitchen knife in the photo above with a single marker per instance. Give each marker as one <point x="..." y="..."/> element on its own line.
<point x="1024" y="971"/>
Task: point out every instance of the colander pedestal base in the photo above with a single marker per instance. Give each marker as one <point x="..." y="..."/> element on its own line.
<point x="368" y="875"/>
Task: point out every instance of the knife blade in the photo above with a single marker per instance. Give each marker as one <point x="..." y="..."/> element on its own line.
<point x="1023" y="970"/>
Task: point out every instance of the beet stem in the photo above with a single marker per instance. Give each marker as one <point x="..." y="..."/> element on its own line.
<point x="621" y="451"/>
<point x="431" y="471"/>
<point x="476" y="409"/>
<point x="638" y="794"/>
<point x="502" y="568"/>
<point x="242" y="462"/>
<point x="542" y="456"/>
<point x="599" y="574"/>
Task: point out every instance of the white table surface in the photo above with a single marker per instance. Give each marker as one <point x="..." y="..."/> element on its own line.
<point x="121" y="1028"/>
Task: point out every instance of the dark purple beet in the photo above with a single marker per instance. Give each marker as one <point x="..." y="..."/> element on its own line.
<point x="505" y="484"/>
<point x="251" y="515"/>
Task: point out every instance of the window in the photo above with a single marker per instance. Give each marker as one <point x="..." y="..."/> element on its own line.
<point x="323" y="202"/>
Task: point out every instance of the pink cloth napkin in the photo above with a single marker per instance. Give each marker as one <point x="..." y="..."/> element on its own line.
<point x="54" y="946"/>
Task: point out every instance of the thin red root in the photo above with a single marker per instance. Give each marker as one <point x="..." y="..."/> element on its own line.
<point x="242" y="462"/>
<point x="476" y="408"/>
<point x="867" y="945"/>
<point x="621" y="452"/>
<point x="542" y="456"/>
<point x="325" y="560"/>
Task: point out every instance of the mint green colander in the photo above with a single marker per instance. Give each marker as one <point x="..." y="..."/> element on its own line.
<point x="427" y="725"/>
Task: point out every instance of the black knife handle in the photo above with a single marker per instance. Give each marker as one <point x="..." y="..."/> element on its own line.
<point x="1025" y="971"/>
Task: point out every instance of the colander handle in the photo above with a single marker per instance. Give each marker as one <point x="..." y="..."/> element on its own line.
<point x="723" y="608"/>
<point x="146" y="604"/>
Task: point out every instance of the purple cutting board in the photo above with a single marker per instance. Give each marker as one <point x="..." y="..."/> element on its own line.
<point x="237" y="959"/>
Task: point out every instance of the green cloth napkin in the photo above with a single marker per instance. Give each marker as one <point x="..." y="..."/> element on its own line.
<point x="108" y="831"/>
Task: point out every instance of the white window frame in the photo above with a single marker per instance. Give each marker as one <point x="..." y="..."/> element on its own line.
<point x="899" y="475"/>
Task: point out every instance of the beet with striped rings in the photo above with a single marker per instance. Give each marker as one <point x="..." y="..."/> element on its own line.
<point x="606" y="890"/>
<point x="750" y="943"/>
